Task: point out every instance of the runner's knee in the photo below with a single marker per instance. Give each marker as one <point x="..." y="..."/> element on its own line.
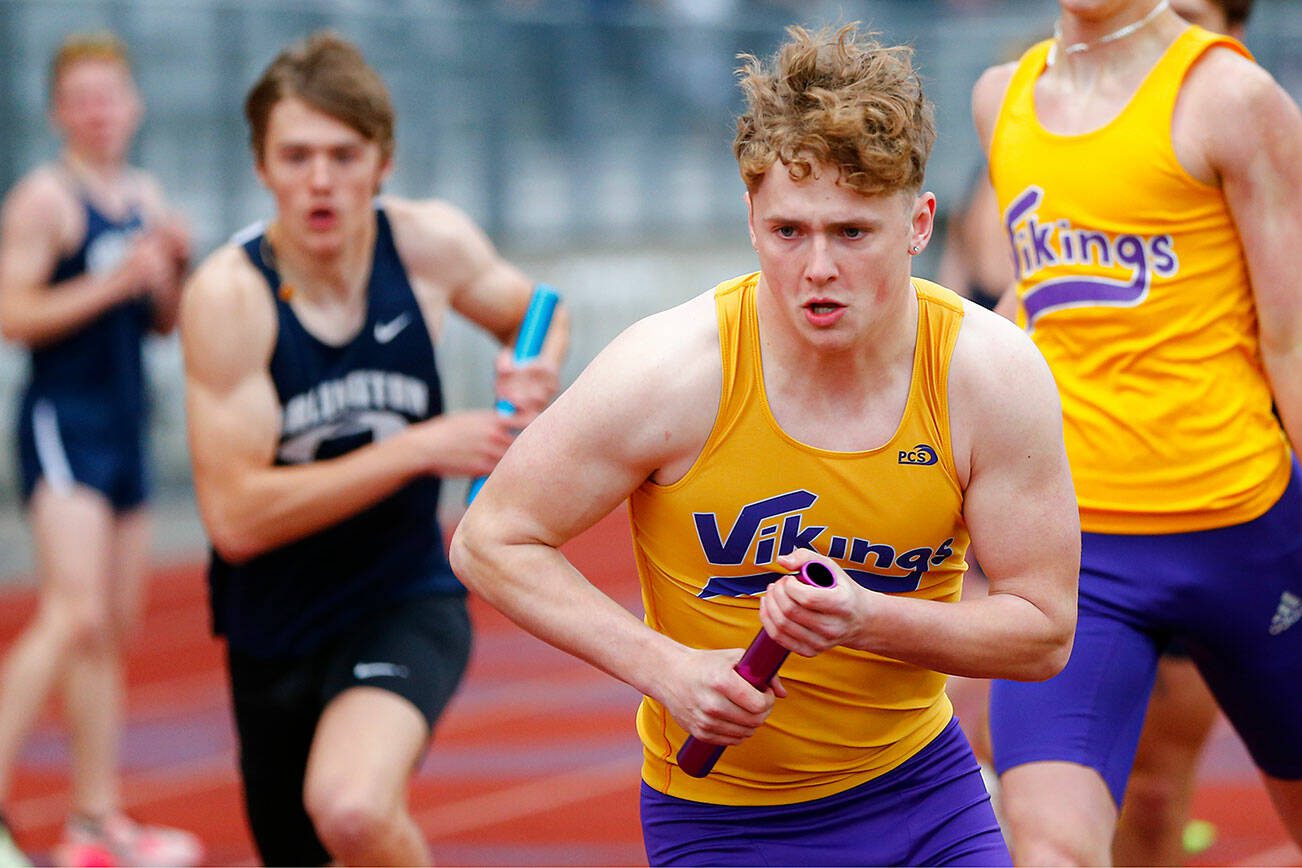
<point x="73" y="626"/>
<point x="348" y="820"/>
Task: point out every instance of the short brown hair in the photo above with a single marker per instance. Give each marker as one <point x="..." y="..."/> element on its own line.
<point x="98" y="45"/>
<point x="839" y="98"/>
<point x="328" y="73"/>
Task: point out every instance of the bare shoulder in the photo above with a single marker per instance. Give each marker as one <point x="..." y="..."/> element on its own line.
<point x="227" y="284"/>
<point x="993" y="356"/>
<point x="1231" y="113"/>
<point x="993" y="82"/>
<point x="669" y="350"/>
<point x="228" y="316"/>
<point x="653" y="392"/>
<point x="431" y="218"/>
<point x="1221" y="66"/>
<point x="1226" y="90"/>
<point x="42" y="195"/>
<point x="434" y="234"/>
<point x="988" y="95"/>
<point x="1002" y="394"/>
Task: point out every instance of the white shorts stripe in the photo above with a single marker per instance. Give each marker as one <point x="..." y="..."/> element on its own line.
<point x="49" y="448"/>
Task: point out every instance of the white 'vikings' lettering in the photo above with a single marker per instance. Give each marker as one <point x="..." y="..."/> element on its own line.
<point x="1037" y="246"/>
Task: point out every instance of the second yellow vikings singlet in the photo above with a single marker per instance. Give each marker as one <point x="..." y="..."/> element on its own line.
<point x="706" y="545"/>
<point x="1132" y="282"/>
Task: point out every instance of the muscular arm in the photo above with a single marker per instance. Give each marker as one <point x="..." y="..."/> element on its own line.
<point x="643" y="404"/>
<point x="443" y="248"/>
<point x="1253" y="135"/>
<point x="1019" y="505"/>
<point x="248" y="504"/>
<point x="1020" y="509"/>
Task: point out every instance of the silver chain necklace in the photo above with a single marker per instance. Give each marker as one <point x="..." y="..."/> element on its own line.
<point x="1120" y="33"/>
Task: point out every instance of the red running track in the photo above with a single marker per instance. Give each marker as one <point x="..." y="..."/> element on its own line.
<point x="506" y="781"/>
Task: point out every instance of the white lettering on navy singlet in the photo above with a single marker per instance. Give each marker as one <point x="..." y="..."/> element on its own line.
<point x="359" y="390"/>
<point x="380" y="403"/>
<point x="1036" y="246"/>
<point x="769" y="528"/>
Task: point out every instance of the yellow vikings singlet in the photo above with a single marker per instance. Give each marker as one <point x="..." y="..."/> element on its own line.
<point x="705" y="548"/>
<point x="1132" y="283"/>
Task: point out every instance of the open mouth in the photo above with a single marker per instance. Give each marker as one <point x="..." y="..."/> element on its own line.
<point x="321" y="218"/>
<point x="822" y="312"/>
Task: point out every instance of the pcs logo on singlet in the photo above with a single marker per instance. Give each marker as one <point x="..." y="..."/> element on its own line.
<point x="1037" y="246"/>
<point x="921" y="455"/>
<point x="775" y="526"/>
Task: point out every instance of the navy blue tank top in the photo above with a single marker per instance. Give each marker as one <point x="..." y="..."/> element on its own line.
<point x="95" y="375"/>
<point x="334" y="399"/>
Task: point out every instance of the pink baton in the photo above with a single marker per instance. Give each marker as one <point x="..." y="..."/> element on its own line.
<point x="758" y="666"/>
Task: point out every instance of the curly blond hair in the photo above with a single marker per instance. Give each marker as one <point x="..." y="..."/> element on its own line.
<point x="838" y="98"/>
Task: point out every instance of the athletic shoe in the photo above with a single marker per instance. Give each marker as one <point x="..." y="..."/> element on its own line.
<point x="10" y="855"/>
<point x="121" y="841"/>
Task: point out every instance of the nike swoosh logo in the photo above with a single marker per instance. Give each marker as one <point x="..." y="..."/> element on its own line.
<point x="363" y="671"/>
<point x="387" y="331"/>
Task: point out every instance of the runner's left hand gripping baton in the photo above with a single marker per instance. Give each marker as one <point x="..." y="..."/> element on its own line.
<point x="528" y="344"/>
<point x="758" y="666"/>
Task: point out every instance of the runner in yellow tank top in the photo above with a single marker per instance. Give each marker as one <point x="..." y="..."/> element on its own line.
<point x="709" y="542"/>
<point x="1146" y="173"/>
<point x="1155" y="823"/>
<point x="828" y="408"/>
